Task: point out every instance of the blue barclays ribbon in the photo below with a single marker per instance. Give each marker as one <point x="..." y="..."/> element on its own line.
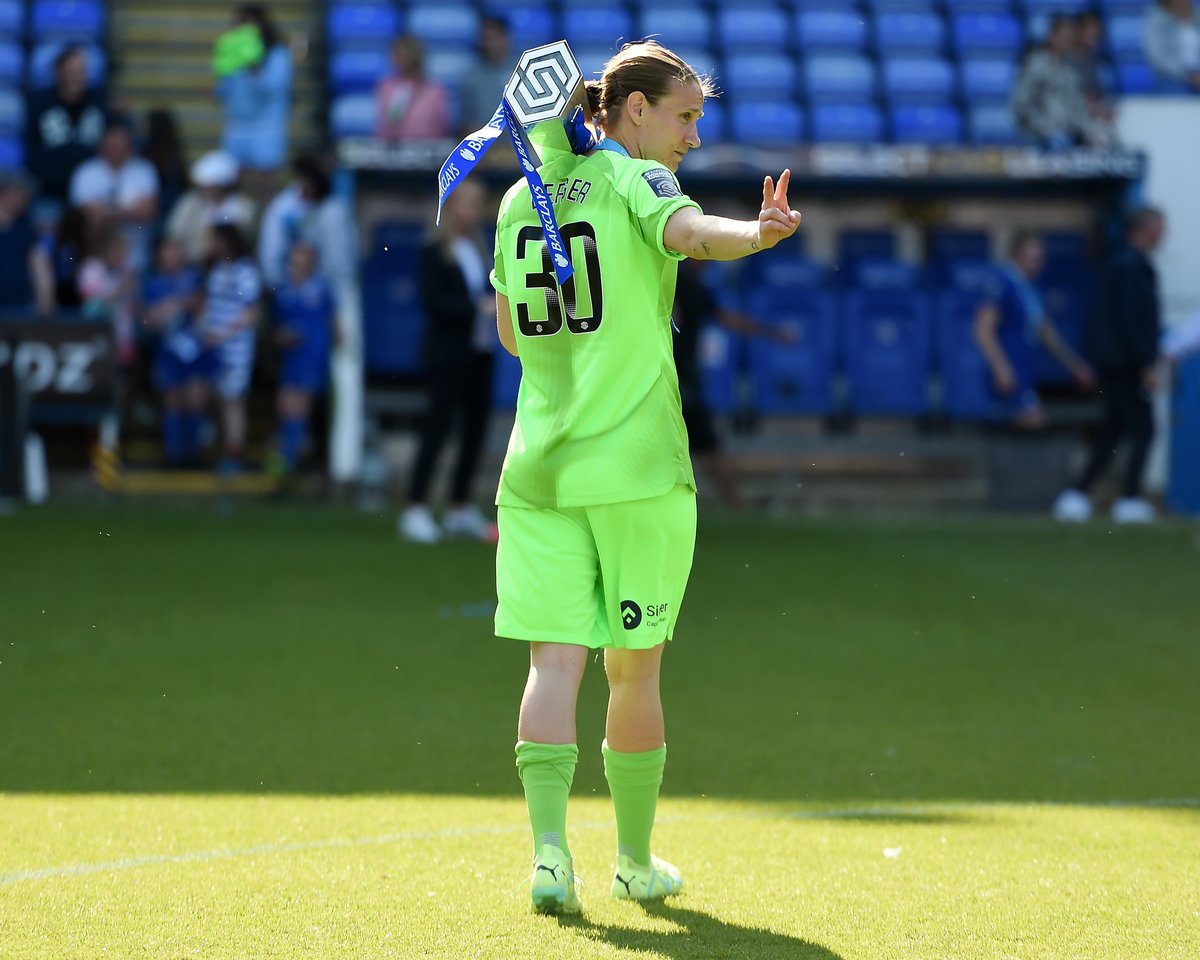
<point x="466" y="157"/>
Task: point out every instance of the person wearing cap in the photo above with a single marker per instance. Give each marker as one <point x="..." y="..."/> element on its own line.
<point x="32" y="286"/>
<point x="213" y="199"/>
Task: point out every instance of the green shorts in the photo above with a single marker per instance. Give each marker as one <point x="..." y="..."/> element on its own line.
<point x="605" y="576"/>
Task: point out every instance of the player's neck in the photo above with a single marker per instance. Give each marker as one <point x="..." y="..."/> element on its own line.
<point x="626" y="143"/>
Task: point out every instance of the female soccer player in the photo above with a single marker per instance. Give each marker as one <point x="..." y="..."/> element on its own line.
<point x="597" y="505"/>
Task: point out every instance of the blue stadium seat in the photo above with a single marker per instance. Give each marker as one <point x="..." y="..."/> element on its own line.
<point x="12" y="111"/>
<point x="1126" y="37"/>
<point x="41" y="64"/>
<point x="531" y="26"/>
<point x="393" y="321"/>
<point x="882" y="273"/>
<point x="1067" y="297"/>
<point x="847" y="123"/>
<point x="754" y="25"/>
<point x="351" y="70"/>
<point x="1183" y="492"/>
<point x="353" y="115"/>
<point x="450" y="66"/>
<point x="981" y="6"/>
<point x="12" y="62"/>
<point x="958" y="245"/>
<point x="678" y="26"/>
<point x="1136" y="77"/>
<point x="766" y="122"/>
<point x="714" y="125"/>
<point x="993" y="125"/>
<point x="909" y="31"/>
<point x="830" y="30"/>
<point x="927" y="123"/>
<point x="349" y="23"/>
<point x="795" y="377"/>
<point x="12" y="153"/>
<point x="865" y="245"/>
<point x="1051" y="7"/>
<point x="506" y="380"/>
<point x="887" y="345"/>
<point x="880" y="7"/>
<point x="759" y="73"/>
<point x="781" y="268"/>
<point x="67" y="19"/>
<point x="592" y="58"/>
<point x="12" y="17"/>
<point x="448" y="23"/>
<point x="966" y="274"/>
<point x="988" y="78"/>
<point x="961" y="366"/>
<point x="721" y="356"/>
<point x="984" y="33"/>
<point x="839" y="78"/>
<point x="1116" y="8"/>
<point x="918" y="79"/>
<point x="584" y="25"/>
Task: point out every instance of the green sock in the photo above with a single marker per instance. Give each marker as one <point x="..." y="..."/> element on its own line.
<point x="546" y="771"/>
<point x="633" y="781"/>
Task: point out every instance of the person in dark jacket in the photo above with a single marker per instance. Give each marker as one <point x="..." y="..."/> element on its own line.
<point x="1122" y="339"/>
<point x="65" y="125"/>
<point x="460" y="313"/>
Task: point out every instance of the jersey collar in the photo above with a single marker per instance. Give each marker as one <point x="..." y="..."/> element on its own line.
<point x="608" y="143"/>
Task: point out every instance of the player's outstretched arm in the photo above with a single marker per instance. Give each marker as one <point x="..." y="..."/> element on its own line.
<point x="703" y="237"/>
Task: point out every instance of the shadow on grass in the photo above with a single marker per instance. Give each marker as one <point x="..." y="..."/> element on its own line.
<point x="702" y="936"/>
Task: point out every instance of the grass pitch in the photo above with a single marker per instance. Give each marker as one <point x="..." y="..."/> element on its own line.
<point x="283" y="734"/>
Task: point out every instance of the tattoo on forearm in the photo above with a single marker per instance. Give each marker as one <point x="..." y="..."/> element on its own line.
<point x="753" y="244"/>
<point x="707" y="251"/>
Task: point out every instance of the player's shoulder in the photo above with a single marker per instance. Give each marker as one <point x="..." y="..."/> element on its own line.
<point x="630" y="174"/>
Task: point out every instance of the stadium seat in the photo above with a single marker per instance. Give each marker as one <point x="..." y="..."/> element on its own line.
<point x="928" y="123"/>
<point x="67" y="20"/>
<point x="988" y="78"/>
<point x="830" y="30"/>
<point x="828" y="78"/>
<point x="887" y="341"/>
<point x="1067" y="298"/>
<point x="714" y="125"/>
<point x="909" y="31"/>
<point x="12" y="153"/>
<point x="1126" y="36"/>
<point x="12" y="111"/>
<point x="444" y="24"/>
<point x="880" y="7"/>
<point x="393" y="321"/>
<point x="882" y="273"/>
<point x="531" y="26"/>
<point x="677" y="26"/>
<point x="449" y="67"/>
<point x="12" y="18"/>
<point x="847" y="123"/>
<point x="766" y="122"/>
<point x="582" y="26"/>
<point x="592" y="58"/>
<point x="981" y="6"/>
<point x="12" y="62"/>
<point x="1136" y="77"/>
<point x="865" y="244"/>
<point x="752" y="25"/>
<point x="353" y="115"/>
<point x="351" y="70"/>
<point x="41" y="64"/>
<point x="1183" y="492"/>
<point x="1051" y="7"/>
<point x="958" y="245"/>
<point x="759" y="73"/>
<point x="794" y="377"/>
<point x="781" y="268"/>
<point x="918" y="79"/>
<point x="961" y="366"/>
<point x="993" y="125"/>
<point x="984" y="33"/>
<point x="721" y="358"/>
<point x="349" y="23"/>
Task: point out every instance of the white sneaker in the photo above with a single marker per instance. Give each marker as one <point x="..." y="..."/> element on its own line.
<point x="466" y="521"/>
<point x="417" y="525"/>
<point x="1133" y="510"/>
<point x="1072" y="506"/>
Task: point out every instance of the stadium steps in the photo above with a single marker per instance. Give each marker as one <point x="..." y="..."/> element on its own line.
<point x="162" y="53"/>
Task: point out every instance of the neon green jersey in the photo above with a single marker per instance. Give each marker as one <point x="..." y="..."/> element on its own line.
<point x="598" y="412"/>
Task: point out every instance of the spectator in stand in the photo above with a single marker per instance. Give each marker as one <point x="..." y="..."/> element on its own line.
<point x="116" y="187"/>
<point x="65" y="125"/>
<point x="228" y="322"/>
<point x="460" y="308"/>
<point x="66" y="253"/>
<point x="411" y="106"/>
<point x="107" y="288"/>
<point x="257" y="97"/>
<point x="481" y="84"/>
<point x="304" y="323"/>
<point x="164" y="150"/>
<point x="1048" y="100"/>
<point x="1173" y="40"/>
<point x="1123" y="337"/>
<point x="1089" y="36"/>
<point x="1009" y="326"/>
<point x="27" y="280"/>
<point x="214" y="199"/>
<point x="170" y="295"/>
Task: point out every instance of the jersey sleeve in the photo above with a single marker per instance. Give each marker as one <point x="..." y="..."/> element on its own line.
<point x="652" y="194"/>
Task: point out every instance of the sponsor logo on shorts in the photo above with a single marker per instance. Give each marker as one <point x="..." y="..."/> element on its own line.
<point x="631" y="614"/>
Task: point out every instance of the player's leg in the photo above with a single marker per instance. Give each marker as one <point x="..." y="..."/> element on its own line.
<point x="293" y="407"/>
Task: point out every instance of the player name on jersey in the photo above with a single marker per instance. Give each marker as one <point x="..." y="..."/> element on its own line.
<point x="574" y="190"/>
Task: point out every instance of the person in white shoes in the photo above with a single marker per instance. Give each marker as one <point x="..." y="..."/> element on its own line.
<point x="1122" y="338"/>
<point x="460" y="311"/>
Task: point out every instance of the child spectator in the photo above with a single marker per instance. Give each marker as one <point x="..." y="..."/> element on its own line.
<point x="170" y="295"/>
<point x="229" y="316"/>
<point x="106" y="288"/>
<point x="411" y="106"/>
<point x="304" y="316"/>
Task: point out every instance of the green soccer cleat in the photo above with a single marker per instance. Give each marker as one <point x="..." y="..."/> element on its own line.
<point x="552" y="886"/>
<point x="635" y="882"/>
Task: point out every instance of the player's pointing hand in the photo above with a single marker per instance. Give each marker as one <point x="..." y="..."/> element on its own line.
<point x="776" y="221"/>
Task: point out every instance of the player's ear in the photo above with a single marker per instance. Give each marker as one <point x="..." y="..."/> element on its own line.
<point x="635" y="103"/>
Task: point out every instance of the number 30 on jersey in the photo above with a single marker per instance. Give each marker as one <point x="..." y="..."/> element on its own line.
<point x="566" y="306"/>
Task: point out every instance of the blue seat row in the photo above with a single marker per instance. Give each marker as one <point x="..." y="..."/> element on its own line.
<point x="53" y="19"/>
<point x="37" y="68"/>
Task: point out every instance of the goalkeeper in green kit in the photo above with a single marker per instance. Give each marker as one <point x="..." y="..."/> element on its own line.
<point x="597" y="500"/>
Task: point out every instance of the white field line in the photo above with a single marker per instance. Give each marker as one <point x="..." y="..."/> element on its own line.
<point x="415" y="836"/>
